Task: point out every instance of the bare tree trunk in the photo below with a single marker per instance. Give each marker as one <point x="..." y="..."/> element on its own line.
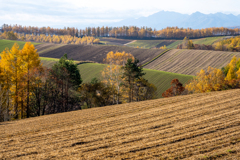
<point x="28" y="96"/>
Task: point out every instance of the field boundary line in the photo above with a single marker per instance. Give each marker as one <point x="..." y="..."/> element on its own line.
<point x="130" y="42"/>
<point x="156" y="57"/>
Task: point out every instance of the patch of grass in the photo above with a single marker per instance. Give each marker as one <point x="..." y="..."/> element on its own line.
<point x="9" y="43"/>
<point x="208" y="40"/>
<point x="174" y="44"/>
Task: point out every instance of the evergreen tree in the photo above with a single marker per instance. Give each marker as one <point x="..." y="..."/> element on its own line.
<point x="131" y="73"/>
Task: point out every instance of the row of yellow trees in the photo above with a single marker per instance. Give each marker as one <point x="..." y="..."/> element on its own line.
<point x="66" y="39"/>
<point x="125" y="31"/>
<point x="231" y="44"/>
<point x="17" y="68"/>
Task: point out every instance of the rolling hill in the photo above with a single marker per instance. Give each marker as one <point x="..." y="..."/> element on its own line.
<point x="172" y="44"/>
<point x="196" y="127"/>
<point x="160" y="79"/>
<point x="190" y="62"/>
<point x="95" y="53"/>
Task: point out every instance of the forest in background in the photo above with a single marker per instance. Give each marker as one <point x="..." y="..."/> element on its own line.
<point x="125" y="31"/>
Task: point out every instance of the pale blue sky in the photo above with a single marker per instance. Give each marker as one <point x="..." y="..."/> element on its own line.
<point x="78" y="13"/>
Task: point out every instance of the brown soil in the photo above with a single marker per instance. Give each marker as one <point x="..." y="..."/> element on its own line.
<point x="113" y="41"/>
<point x="190" y="62"/>
<point x="192" y="127"/>
<point x="166" y="42"/>
<point x="98" y="53"/>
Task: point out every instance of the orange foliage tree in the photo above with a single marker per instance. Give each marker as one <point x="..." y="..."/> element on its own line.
<point x="175" y="90"/>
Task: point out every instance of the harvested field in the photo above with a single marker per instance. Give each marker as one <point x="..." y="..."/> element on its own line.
<point x="193" y="127"/>
<point x="190" y="62"/>
<point x="98" y="53"/>
<point x="46" y="47"/>
<point x="115" y="41"/>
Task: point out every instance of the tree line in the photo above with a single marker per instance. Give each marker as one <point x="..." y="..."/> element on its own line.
<point x="125" y="31"/>
<point x="64" y="39"/>
<point x="28" y="89"/>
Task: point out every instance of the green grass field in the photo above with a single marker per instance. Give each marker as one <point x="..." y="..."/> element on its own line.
<point x="174" y="44"/>
<point x="160" y="79"/>
<point x="208" y="41"/>
<point x="153" y="43"/>
<point x="9" y="43"/>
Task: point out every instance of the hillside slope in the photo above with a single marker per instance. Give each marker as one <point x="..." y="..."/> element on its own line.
<point x="160" y="79"/>
<point x="190" y="62"/>
<point x="9" y="43"/>
<point x="97" y="53"/>
<point x="200" y="126"/>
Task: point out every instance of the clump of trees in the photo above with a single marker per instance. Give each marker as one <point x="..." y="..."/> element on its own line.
<point x="231" y="44"/>
<point x="176" y="89"/>
<point x="216" y="79"/>
<point x="122" y="81"/>
<point x="28" y="89"/>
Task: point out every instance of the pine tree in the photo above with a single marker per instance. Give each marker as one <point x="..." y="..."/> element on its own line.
<point x="131" y="73"/>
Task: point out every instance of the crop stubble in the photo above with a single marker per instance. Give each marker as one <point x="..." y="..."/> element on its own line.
<point x="190" y="62"/>
<point x="200" y="126"/>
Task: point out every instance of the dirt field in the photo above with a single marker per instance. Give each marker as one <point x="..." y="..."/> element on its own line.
<point x="97" y="53"/>
<point x="115" y="41"/>
<point x="190" y="62"/>
<point x="193" y="127"/>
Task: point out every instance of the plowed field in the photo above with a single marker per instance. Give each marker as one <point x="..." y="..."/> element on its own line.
<point x="115" y="41"/>
<point x="96" y="53"/>
<point x="193" y="127"/>
<point x="191" y="62"/>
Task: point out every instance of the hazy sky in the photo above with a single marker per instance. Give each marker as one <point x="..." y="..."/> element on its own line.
<point x="78" y="13"/>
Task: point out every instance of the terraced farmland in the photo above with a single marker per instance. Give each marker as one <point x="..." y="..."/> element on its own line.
<point x="192" y="127"/>
<point x="95" y="53"/>
<point x="9" y="43"/>
<point x="190" y="62"/>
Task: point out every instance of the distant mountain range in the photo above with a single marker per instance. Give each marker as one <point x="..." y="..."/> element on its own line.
<point x="196" y="20"/>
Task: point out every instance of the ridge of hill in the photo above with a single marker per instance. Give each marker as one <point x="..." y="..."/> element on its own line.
<point x="198" y="126"/>
<point x="190" y="62"/>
